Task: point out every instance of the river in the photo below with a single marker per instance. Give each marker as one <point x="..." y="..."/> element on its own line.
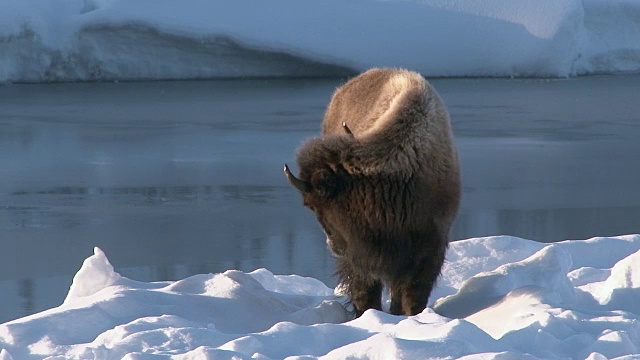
<point x="173" y="179"/>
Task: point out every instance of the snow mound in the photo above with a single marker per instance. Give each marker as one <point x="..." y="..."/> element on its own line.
<point x="499" y="298"/>
<point x="95" y="274"/>
<point x="117" y="39"/>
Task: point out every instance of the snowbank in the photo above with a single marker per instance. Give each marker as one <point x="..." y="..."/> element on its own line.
<point x="163" y="39"/>
<point x="499" y="297"/>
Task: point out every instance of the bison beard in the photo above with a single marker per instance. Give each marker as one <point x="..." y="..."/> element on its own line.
<point x="384" y="183"/>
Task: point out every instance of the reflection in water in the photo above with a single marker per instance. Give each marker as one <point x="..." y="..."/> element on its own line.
<point x="542" y="224"/>
<point x="142" y="192"/>
<point x="25" y="291"/>
<point x="548" y="225"/>
<point x="258" y="194"/>
<point x="72" y="206"/>
<point x="186" y="178"/>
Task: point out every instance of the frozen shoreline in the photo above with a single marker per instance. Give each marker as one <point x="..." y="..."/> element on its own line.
<point x="573" y="299"/>
<point x="94" y="40"/>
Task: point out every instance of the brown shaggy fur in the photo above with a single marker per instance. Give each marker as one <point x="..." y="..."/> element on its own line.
<point x="385" y="187"/>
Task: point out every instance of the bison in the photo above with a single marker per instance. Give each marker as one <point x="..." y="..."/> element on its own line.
<point x="384" y="182"/>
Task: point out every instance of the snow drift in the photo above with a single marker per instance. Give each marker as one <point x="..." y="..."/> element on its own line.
<point x="117" y="39"/>
<point x="499" y="297"/>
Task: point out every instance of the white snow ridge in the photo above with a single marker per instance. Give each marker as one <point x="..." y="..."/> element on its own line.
<point x="80" y="40"/>
<point x="95" y="274"/>
<point x="499" y="298"/>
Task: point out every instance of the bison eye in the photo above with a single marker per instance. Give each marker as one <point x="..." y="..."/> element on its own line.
<point x="326" y="183"/>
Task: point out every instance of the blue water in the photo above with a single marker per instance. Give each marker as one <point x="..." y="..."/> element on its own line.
<point x="172" y="179"/>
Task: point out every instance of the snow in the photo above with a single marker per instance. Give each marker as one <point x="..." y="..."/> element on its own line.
<point x="499" y="298"/>
<point x="79" y="40"/>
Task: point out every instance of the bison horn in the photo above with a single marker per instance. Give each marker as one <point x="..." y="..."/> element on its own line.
<point x="346" y="129"/>
<point x="302" y="186"/>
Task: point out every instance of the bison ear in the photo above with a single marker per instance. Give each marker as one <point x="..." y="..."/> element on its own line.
<point x="327" y="183"/>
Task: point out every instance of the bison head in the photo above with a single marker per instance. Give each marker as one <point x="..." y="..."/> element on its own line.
<point x="325" y="192"/>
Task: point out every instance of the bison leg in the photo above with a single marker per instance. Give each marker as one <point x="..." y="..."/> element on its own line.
<point x="365" y="291"/>
<point x="365" y="294"/>
<point x="415" y="297"/>
<point x="396" y="300"/>
<point x="410" y="295"/>
<point x="409" y="298"/>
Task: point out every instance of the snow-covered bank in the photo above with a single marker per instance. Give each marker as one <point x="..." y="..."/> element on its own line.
<point x="502" y="297"/>
<point x="163" y="39"/>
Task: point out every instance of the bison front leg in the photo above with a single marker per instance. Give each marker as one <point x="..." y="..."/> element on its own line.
<point x="365" y="292"/>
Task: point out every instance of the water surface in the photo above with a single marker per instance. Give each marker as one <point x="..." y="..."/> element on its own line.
<point x="172" y="179"/>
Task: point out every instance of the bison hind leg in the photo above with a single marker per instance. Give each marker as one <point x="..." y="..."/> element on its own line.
<point x="396" y="300"/>
<point x="410" y="296"/>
